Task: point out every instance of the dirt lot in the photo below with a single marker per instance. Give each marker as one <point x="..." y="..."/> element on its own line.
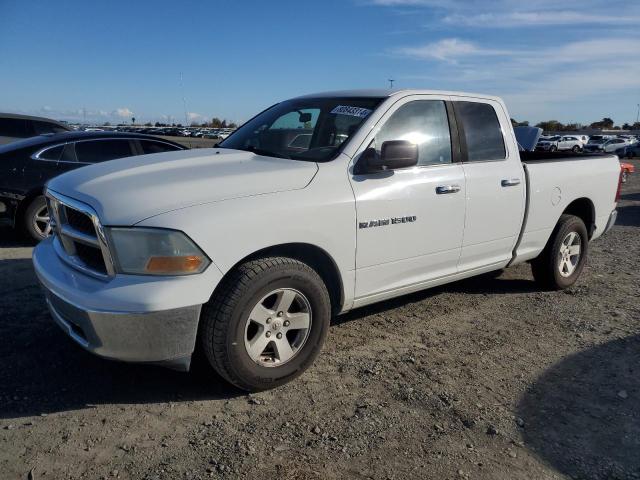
<point x="485" y="378"/>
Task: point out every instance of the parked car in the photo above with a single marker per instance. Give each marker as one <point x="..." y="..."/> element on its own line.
<point x="627" y="169"/>
<point x="26" y="166"/>
<point x="560" y="143"/>
<point x="604" y="145"/>
<point x="628" y="151"/>
<point x="15" y="127"/>
<point x="250" y="248"/>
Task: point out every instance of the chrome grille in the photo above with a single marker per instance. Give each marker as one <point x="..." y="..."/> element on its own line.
<point x="79" y="238"/>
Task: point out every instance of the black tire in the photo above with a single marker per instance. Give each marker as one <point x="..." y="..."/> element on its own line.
<point x="624" y="176"/>
<point x="576" y="149"/>
<point x="553" y="148"/>
<point x="546" y="267"/>
<point x="35" y="229"/>
<point x="223" y="321"/>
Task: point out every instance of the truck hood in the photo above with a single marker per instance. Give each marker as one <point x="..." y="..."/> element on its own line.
<point x="128" y="190"/>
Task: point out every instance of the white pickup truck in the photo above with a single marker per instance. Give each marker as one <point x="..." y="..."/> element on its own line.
<point x="316" y="206"/>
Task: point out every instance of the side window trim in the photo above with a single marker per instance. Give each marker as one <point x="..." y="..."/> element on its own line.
<point x="458" y="152"/>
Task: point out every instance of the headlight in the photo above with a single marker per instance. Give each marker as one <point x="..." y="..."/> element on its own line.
<point x="154" y="251"/>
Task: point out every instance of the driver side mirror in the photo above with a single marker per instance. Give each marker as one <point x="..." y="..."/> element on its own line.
<point x="394" y="154"/>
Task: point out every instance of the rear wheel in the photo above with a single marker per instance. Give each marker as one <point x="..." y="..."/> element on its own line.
<point x="36" y="219"/>
<point x="624" y="176"/>
<point x="561" y="262"/>
<point x="266" y="323"/>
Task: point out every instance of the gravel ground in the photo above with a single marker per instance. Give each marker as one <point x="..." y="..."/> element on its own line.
<point x="485" y="378"/>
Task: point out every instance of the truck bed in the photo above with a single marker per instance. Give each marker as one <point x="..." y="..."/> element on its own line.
<point x="557" y="179"/>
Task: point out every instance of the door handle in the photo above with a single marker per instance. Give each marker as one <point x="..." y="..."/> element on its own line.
<point x="442" y="189"/>
<point x="511" y="182"/>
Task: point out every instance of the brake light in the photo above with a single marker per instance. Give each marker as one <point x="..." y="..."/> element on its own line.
<point x="619" y="190"/>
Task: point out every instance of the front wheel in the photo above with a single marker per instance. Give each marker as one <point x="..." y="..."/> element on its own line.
<point x="561" y="262"/>
<point x="553" y="148"/>
<point x="266" y="323"/>
<point x="576" y="149"/>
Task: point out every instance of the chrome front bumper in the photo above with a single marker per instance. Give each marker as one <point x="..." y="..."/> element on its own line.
<point x="133" y="319"/>
<point x="167" y="337"/>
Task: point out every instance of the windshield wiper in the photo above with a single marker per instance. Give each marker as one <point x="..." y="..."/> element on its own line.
<point x="268" y="153"/>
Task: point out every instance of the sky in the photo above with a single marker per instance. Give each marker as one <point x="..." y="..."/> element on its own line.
<point x="569" y="60"/>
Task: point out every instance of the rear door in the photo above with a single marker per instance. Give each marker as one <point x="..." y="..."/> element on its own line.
<point x="495" y="184"/>
<point x="410" y="220"/>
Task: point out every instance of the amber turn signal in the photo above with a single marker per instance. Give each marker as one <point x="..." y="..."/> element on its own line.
<point x="174" y="265"/>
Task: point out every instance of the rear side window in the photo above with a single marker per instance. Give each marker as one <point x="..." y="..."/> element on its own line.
<point x="482" y="131"/>
<point x="15" y="127"/>
<point x="42" y="128"/>
<point x="94" y="151"/>
<point x="156" y="147"/>
<point x="52" y="153"/>
<point x="423" y="122"/>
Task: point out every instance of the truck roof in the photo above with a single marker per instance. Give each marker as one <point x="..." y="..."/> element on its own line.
<point x="383" y="93"/>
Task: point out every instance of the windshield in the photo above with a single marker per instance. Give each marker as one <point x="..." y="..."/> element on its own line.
<point x="313" y="129"/>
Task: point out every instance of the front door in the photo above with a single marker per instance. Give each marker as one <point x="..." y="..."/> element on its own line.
<point x="409" y="221"/>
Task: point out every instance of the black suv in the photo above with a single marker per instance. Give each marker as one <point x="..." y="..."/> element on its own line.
<point x="26" y="165"/>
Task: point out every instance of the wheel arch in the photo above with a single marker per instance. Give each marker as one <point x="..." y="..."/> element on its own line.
<point x="317" y="258"/>
<point x="584" y="209"/>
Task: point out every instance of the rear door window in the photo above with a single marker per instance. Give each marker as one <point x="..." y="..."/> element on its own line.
<point x="42" y="128"/>
<point x="15" y="127"/>
<point x="482" y="131"/>
<point x="95" y="151"/>
<point x="149" y="146"/>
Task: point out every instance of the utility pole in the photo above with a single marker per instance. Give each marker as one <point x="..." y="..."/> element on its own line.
<point x="184" y="102"/>
<point x="391" y="80"/>
<point x="638" y="114"/>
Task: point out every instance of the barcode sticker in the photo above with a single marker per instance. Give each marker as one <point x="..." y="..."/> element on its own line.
<point x="352" y="111"/>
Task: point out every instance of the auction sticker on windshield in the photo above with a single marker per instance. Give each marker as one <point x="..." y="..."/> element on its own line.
<point x="352" y="111"/>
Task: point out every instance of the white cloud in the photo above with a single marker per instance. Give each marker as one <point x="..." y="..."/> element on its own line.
<point x="570" y="78"/>
<point x="448" y="49"/>
<point x="195" y="117"/>
<point x="532" y="13"/>
<point x="542" y="18"/>
<point x="122" y="113"/>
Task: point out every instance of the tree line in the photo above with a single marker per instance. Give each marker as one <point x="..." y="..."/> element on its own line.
<point x="556" y="126"/>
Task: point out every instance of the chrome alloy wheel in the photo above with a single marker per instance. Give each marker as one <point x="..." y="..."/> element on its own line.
<point x="42" y="222"/>
<point x="569" y="254"/>
<point x="278" y="327"/>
